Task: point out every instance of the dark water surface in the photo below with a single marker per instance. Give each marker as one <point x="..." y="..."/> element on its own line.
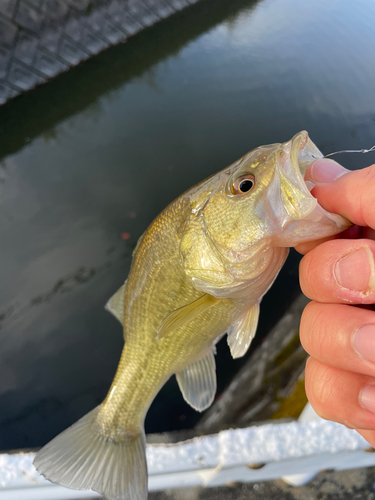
<point x="88" y="160"/>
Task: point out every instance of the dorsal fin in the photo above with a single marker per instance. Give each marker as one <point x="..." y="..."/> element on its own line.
<point x="242" y="332"/>
<point x="115" y="305"/>
<point x="139" y="241"/>
<point x="184" y="314"/>
<point x="198" y="382"/>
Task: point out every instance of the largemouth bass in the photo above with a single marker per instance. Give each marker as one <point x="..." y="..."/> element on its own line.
<point x="198" y="272"/>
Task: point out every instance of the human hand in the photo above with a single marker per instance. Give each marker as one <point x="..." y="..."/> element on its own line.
<point x="338" y="326"/>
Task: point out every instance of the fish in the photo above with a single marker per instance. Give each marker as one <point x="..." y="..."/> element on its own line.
<point x="198" y="272"/>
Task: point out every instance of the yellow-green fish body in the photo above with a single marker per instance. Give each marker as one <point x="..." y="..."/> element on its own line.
<point x="198" y="272"/>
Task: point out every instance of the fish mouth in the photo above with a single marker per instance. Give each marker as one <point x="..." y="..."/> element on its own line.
<point x="291" y="161"/>
<point x="299" y="153"/>
<point x="304" y="215"/>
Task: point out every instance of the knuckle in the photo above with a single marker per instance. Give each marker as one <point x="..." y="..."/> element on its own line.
<point x="307" y="276"/>
<point x="317" y="277"/>
<point x="312" y="329"/>
<point x="367" y="199"/>
<point x="319" y="386"/>
<point x="307" y="327"/>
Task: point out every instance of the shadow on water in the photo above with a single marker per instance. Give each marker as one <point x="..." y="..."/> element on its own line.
<point x="37" y="111"/>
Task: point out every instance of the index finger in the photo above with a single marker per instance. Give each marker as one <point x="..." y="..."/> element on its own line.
<point x="340" y="271"/>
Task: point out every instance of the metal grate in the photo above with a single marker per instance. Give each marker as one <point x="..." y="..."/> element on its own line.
<point x="41" y="38"/>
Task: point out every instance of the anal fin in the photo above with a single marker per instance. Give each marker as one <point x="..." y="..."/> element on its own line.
<point x="198" y="382"/>
<point x="242" y="332"/>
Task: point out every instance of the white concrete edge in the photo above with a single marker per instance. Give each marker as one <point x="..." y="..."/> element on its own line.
<point x="308" y="414"/>
<point x="243" y="455"/>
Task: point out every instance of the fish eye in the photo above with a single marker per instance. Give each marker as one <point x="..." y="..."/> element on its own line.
<point x="243" y="184"/>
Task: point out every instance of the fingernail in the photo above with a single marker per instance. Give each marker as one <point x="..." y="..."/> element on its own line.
<point x="325" y="170"/>
<point x="356" y="271"/>
<point x="367" y="398"/>
<point x="364" y="342"/>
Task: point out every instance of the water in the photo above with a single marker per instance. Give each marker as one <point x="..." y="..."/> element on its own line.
<point x="88" y="160"/>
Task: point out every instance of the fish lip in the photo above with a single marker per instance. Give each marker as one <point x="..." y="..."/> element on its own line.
<point x="291" y="161"/>
<point x="298" y="147"/>
<point x="307" y="153"/>
<point x="299" y="153"/>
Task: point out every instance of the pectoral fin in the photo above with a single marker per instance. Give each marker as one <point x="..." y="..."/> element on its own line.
<point x="198" y="382"/>
<point x="115" y="305"/>
<point x="184" y="314"/>
<point x="242" y="332"/>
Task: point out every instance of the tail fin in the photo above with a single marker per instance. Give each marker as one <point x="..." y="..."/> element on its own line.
<point x="81" y="459"/>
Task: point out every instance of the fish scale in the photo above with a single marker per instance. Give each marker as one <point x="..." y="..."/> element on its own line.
<point x="199" y="270"/>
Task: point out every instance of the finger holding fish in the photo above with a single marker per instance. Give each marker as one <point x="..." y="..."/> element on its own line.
<point x="351" y="194"/>
<point x="338" y="327"/>
<point x="340" y="271"/>
<point x="346" y="343"/>
<point x="340" y="374"/>
<point x="336" y="394"/>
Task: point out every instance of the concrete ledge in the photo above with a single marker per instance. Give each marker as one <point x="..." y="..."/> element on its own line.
<point x="253" y="454"/>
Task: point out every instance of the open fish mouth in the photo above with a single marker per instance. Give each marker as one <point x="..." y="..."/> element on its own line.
<point x="292" y="159"/>
<point x="299" y="153"/>
<point x="303" y="215"/>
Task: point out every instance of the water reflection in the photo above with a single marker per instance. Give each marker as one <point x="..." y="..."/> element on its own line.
<point x="89" y="159"/>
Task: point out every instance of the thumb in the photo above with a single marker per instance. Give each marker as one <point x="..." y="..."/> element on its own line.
<point x="351" y="194"/>
<point x="324" y="170"/>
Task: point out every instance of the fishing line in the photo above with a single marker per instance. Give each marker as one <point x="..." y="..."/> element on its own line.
<point x="351" y="151"/>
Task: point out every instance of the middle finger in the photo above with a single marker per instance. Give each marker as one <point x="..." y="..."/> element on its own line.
<point x="340" y="271"/>
<point x="340" y="335"/>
